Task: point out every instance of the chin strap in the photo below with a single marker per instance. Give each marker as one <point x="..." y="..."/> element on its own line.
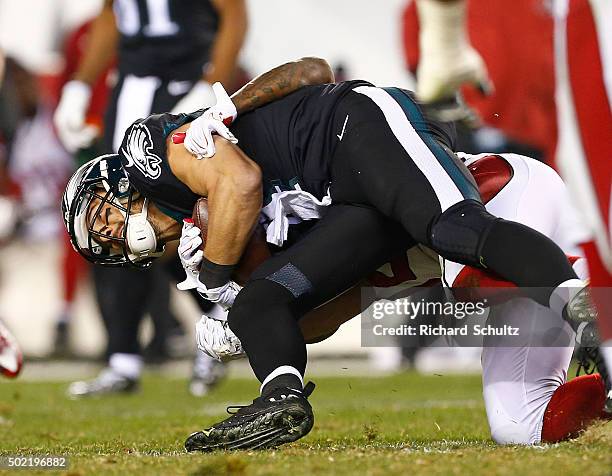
<point x="141" y="239"/>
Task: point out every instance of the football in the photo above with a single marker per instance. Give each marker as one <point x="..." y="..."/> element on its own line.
<point x="255" y="253"/>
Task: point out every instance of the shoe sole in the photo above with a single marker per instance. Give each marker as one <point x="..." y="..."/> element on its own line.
<point x="269" y="430"/>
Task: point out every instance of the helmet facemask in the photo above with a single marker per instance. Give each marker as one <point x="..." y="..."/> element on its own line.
<point x="136" y="244"/>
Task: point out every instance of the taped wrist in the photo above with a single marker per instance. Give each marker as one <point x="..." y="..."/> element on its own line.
<point x="214" y="275"/>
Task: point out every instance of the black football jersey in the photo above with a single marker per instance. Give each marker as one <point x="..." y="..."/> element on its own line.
<point x="165" y="38"/>
<point x="143" y="155"/>
<point x="291" y="139"/>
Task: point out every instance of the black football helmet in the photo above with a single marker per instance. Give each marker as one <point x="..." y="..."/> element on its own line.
<point x="105" y="179"/>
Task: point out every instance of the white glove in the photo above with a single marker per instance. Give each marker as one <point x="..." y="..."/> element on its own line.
<point x="447" y="59"/>
<point x="191" y="259"/>
<point x="198" y="139"/>
<point x="216" y="339"/>
<point x="69" y="117"/>
<point x="191" y="255"/>
<point x="223" y="295"/>
<point x="201" y="95"/>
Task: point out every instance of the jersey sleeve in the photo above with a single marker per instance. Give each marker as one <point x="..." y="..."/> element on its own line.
<point x="144" y="158"/>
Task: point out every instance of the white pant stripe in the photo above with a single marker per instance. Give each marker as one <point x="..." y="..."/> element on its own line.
<point x="445" y="189"/>
<point x="134" y="102"/>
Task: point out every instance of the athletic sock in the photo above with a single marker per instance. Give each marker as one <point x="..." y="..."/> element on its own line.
<point x="282" y="377"/>
<point x="564" y="293"/>
<point x="267" y="325"/>
<point x="126" y="365"/>
<point x="606" y="352"/>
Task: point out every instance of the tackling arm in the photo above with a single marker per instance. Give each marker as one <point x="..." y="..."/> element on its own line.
<point x="282" y="81"/>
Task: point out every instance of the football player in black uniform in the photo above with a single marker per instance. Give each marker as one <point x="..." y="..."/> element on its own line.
<point x="336" y="151"/>
<point x="169" y="53"/>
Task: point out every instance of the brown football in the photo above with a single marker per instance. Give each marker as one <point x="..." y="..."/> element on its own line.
<point x="255" y="253"/>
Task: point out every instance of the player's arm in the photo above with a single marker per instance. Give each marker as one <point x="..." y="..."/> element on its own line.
<point x="101" y="46"/>
<point x="232" y="183"/>
<point x="69" y="117"/>
<point x="233" y="24"/>
<point x="275" y="84"/>
<point x="281" y="81"/>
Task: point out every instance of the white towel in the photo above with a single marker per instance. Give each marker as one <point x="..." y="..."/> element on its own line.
<point x="297" y="203"/>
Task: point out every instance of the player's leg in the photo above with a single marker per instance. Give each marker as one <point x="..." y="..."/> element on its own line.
<point x="348" y="243"/>
<point x="122" y="293"/>
<point x="389" y="158"/>
<point x="526" y="395"/>
<point x="122" y="299"/>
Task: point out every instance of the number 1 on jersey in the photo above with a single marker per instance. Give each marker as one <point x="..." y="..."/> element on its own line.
<point x="130" y="23"/>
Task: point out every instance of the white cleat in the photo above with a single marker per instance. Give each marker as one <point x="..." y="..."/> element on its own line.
<point x="11" y="359"/>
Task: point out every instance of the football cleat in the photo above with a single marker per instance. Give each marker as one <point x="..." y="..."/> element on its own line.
<point x="207" y="373"/>
<point x="108" y="382"/>
<point x="11" y="359"/>
<point x="580" y="308"/>
<point x="282" y="416"/>
<point x="590" y="360"/>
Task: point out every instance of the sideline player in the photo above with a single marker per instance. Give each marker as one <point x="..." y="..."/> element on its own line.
<point x="387" y="145"/>
<point x="168" y="55"/>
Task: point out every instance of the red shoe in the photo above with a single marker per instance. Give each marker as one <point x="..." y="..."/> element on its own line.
<point x="11" y="359"/>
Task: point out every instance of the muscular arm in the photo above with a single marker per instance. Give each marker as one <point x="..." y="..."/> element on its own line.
<point x="281" y="81"/>
<point x="229" y="39"/>
<point x="101" y="46"/>
<point x="232" y="183"/>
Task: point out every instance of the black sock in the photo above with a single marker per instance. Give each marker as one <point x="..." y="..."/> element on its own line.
<point x="527" y="258"/>
<point x="265" y="322"/>
<point x="282" y="381"/>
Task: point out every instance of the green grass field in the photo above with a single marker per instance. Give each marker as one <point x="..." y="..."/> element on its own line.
<point x="406" y="424"/>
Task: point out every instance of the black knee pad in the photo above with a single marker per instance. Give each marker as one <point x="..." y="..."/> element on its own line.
<point x="459" y="233"/>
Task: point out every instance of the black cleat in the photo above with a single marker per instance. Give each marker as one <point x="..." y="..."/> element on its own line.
<point x="280" y="417"/>
<point x="580" y="308"/>
<point x="590" y="360"/>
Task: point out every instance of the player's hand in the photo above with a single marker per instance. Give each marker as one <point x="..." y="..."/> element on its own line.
<point x="216" y="339"/>
<point x="201" y="95"/>
<point x="190" y="255"/>
<point x="198" y="138"/>
<point x="191" y="259"/>
<point x="223" y="295"/>
<point x="69" y="117"/>
<point x="440" y="76"/>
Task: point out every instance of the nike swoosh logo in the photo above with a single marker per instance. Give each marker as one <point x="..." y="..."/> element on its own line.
<point x="341" y="135"/>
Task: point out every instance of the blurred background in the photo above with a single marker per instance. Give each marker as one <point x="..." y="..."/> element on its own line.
<point x="46" y="294"/>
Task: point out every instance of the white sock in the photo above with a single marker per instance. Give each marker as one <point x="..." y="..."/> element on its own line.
<point x="564" y="294"/>
<point x="606" y="351"/>
<point x="126" y="365"/>
<point x="442" y="27"/>
<point x="283" y="369"/>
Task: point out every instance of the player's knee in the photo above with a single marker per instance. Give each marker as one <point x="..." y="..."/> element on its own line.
<point x="459" y="232"/>
<point x="514" y="433"/>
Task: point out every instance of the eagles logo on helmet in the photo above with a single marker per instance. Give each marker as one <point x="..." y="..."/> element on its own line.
<point x="104" y="179"/>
